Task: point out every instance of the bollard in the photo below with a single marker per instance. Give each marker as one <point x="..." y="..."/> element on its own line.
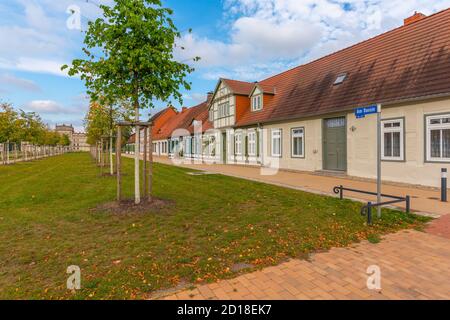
<point x="369" y="213"/>
<point x="408" y="204"/>
<point x="444" y="185"/>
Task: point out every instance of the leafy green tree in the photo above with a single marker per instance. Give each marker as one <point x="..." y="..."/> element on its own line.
<point x="64" y="140"/>
<point x="8" y="123"/>
<point x="100" y="120"/>
<point x="33" y="129"/>
<point x="136" y="39"/>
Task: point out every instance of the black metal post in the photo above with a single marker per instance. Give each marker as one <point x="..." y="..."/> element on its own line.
<point x="444" y="185"/>
<point x="408" y="204"/>
<point x="369" y="213"/>
<point x="341" y="192"/>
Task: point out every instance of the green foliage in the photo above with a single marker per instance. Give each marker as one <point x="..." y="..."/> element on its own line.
<point x="100" y="120"/>
<point x="9" y="126"/>
<point x="135" y="40"/>
<point x="64" y="140"/>
<point x="19" y="126"/>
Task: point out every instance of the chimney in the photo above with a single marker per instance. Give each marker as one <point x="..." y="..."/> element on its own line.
<point x="209" y="96"/>
<point x="414" y="18"/>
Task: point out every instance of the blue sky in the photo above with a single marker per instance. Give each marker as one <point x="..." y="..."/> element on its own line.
<point x="241" y="39"/>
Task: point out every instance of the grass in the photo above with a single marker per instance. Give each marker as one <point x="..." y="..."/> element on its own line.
<point x="47" y="224"/>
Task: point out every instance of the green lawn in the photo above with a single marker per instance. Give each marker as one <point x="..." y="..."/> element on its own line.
<point x="47" y="223"/>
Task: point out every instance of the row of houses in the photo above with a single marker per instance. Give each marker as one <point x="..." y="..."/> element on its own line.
<point x="303" y="119"/>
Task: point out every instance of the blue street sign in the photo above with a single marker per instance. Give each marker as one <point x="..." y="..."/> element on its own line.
<point x="364" y="111"/>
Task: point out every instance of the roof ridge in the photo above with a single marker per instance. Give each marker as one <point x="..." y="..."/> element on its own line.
<point x="357" y="44"/>
<point x="226" y="79"/>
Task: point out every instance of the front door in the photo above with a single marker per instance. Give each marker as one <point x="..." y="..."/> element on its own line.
<point x="335" y="144"/>
<point x="224" y="147"/>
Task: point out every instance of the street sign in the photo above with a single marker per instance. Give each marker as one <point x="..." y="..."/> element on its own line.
<point x="364" y="111"/>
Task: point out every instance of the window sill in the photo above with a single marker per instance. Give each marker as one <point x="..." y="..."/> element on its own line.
<point x="438" y="161"/>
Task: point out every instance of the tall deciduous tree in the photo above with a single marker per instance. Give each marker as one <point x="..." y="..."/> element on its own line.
<point x="130" y="56"/>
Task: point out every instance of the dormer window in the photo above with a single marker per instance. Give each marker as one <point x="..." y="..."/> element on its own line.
<point x="340" y="78"/>
<point x="257" y="103"/>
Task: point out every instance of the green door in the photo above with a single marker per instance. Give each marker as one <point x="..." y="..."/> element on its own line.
<point x="224" y="147"/>
<point x="335" y="144"/>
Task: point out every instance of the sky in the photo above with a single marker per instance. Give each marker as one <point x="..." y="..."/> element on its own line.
<point x="246" y="40"/>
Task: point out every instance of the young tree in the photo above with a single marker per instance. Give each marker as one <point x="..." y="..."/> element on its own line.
<point x="99" y="122"/>
<point x="136" y="39"/>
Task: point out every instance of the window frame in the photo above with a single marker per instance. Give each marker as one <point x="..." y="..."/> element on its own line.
<point x="302" y="156"/>
<point x="223" y="110"/>
<point x="238" y="143"/>
<point x="427" y="140"/>
<point x="254" y="143"/>
<point x="272" y="133"/>
<point x="402" y="130"/>
<point x="259" y="99"/>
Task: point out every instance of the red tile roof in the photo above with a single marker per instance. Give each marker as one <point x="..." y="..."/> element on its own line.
<point x="184" y="120"/>
<point x="409" y="62"/>
<point x="239" y="87"/>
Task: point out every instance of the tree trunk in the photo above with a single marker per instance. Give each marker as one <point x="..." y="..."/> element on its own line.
<point x="7" y="152"/>
<point x="111" y="165"/>
<point x="118" y="163"/>
<point x="150" y="165"/>
<point x="137" y="153"/>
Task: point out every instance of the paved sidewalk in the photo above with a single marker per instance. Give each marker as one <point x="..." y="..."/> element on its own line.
<point x="414" y="265"/>
<point x="425" y="200"/>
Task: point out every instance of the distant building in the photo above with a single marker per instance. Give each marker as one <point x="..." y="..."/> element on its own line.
<point x="78" y="140"/>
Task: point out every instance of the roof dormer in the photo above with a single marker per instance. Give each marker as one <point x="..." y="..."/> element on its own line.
<point x="259" y="94"/>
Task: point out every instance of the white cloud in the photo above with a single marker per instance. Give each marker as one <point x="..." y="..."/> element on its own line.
<point x="268" y="36"/>
<point x="9" y="80"/>
<point x="37" y="38"/>
<point x="44" y="106"/>
<point x="33" y="65"/>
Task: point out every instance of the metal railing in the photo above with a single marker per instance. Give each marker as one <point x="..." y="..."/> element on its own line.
<point x="367" y="209"/>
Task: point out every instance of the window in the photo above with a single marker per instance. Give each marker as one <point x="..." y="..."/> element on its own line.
<point x="238" y="143"/>
<point x="298" y="142"/>
<point x="340" y="78"/>
<point x="211" y="114"/>
<point x="257" y="103"/>
<point x="224" y="110"/>
<point x="392" y="140"/>
<point x="252" y="143"/>
<point x="438" y="138"/>
<point x="276" y="143"/>
<point x="212" y="146"/>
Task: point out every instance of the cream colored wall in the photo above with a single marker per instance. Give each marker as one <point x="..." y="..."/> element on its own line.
<point x="414" y="170"/>
<point x="313" y="146"/>
<point x="361" y="145"/>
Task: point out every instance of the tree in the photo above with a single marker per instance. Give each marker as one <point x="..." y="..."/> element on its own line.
<point x="64" y="140"/>
<point x="136" y="39"/>
<point x="8" y="123"/>
<point x="99" y="122"/>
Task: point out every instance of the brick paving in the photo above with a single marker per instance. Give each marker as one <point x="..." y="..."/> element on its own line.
<point x="414" y="265"/>
<point x="440" y="227"/>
